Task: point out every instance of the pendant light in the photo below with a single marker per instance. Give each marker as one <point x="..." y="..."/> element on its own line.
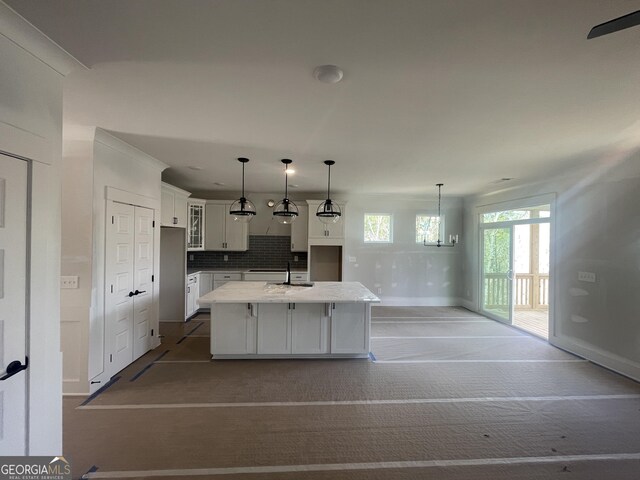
<point x="285" y="210"/>
<point x="328" y="212"/>
<point x="453" y="239"/>
<point x="242" y="210"/>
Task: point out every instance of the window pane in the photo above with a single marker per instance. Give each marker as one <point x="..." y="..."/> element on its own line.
<point x="427" y="228"/>
<point x="540" y="211"/>
<point x="377" y="228"/>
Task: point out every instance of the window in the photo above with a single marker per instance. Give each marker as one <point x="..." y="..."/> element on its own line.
<point x="541" y="211"/>
<point x="427" y="228"/>
<point x="377" y="228"/>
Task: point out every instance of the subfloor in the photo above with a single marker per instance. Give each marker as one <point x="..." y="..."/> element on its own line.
<point x="446" y="395"/>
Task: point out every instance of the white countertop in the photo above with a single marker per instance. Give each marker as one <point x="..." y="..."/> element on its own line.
<point x="262" y="292"/>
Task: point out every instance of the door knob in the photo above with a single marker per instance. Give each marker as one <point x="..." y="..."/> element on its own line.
<point x="138" y="292"/>
<point x="15" y="367"/>
<point x="131" y="294"/>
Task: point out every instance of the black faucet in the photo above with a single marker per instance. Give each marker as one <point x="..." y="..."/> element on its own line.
<point x="287" y="280"/>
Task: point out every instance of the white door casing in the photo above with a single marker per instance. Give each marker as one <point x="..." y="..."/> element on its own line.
<point x="13" y="299"/>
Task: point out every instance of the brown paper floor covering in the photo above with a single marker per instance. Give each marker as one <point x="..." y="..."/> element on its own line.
<point x="257" y="435"/>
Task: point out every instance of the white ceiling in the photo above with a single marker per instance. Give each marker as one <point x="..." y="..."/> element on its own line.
<point x="462" y="92"/>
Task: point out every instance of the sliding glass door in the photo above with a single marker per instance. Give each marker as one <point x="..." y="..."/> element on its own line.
<point x="497" y="273"/>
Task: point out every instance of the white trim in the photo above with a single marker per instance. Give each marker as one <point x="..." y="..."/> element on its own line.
<point x="108" y="140"/>
<point x="434" y="318"/>
<point x="23" y="143"/>
<point x="420" y="301"/>
<point x="482" y="361"/>
<point x="598" y="356"/>
<point x="455" y="337"/>
<point x="182" y="192"/>
<point x="24" y="34"/>
<point x="130" y="198"/>
<point x="471" y="462"/>
<point x="516" y="204"/>
<point x="433" y="321"/>
<point x="340" y="403"/>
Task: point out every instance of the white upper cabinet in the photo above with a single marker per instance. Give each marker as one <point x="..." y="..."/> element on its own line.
<point x="173" y="206"/>
<point x="222" y="232"/>
<point x="325" y="234"/>
<point x="299" y="229"/>
<point x="195" y="230"/>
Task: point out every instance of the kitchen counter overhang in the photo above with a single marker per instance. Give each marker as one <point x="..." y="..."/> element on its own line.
<point x="264" y="292"/>
<point x="262" y="320"/>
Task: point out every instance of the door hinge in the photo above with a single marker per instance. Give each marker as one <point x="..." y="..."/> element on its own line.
<point x="113" y="219"/>
<point x="152" y="277"/>
<point x="111" y="358"/>
<point x="153" y="224"/>
<point x="152" y="332"/>
<point x="111" y="288"/>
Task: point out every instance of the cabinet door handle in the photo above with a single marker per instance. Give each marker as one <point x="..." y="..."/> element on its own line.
<point x="292" y="246"/>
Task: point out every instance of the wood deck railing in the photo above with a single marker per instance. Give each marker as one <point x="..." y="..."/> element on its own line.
<point x="530" y="291"/>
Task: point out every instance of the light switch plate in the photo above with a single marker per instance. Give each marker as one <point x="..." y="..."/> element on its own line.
<point x="587" y="277"/>
<point x="70" y="281"/>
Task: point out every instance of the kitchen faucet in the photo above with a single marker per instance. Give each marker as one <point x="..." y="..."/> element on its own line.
<point x="287" y="280"/>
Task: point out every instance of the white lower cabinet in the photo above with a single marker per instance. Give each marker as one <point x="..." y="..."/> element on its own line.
<point x="298" y="328"/>
<point x="309" y="328"/>
<point x="290" y="329"/>
<point x="193" y="293"/>
<point x="206" y="283"/>
<point x="349" y="328"/>
<point x="233" y="329"/>
<point x="274" y="328"/>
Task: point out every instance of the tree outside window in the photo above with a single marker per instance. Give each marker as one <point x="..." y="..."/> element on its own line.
<point x="377" y="228"/>
<point x="427" y="228"/>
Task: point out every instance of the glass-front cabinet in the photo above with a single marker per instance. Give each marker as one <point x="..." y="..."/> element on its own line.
<point x="195" y="232"/>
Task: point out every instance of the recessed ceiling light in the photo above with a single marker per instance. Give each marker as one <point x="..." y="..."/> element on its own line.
<point x="328" y="73"/>
<point x="220" y="184"/>
<point x="194" y="167"/>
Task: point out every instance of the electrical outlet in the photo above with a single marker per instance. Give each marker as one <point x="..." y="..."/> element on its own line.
<point x="587" y="277"/>
<point x="226" y="258"/>
<point x="379" y="291"/>
<point x="352" y="259"/>
<point x="295" y="258"/>
<point x="69" y="281"/>
<point x="191" y="257"/>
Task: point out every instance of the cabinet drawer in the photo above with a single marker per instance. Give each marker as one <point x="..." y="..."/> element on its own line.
<point x="299" y="277"/>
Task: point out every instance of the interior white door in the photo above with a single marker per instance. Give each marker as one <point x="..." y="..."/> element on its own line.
<point x="13" y="281"/>
<point x="143" y="288"/>
<point x="120" y="283"/>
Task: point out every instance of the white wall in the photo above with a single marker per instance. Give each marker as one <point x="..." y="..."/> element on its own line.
<point x="404" y="272"/>
<point x="94" y="160"/>
<point x="597" y="230"/>
<point x="31" y="79"/>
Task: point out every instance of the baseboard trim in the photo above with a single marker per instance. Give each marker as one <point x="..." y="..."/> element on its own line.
<point x="598" y="356"/>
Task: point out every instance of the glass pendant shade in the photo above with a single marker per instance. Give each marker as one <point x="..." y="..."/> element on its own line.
<point x="328" y="212"/>
<point x="285" y="210"/>
<point x="242" y="210"/>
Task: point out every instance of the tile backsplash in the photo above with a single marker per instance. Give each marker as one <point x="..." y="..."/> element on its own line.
<point x="265" y="251"/>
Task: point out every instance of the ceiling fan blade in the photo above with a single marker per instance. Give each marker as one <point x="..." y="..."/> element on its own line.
<point x="620" y="23"/>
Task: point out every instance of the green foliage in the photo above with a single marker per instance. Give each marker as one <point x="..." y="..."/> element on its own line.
<point x="377" y="228"/>
<point x="427" y="228"/>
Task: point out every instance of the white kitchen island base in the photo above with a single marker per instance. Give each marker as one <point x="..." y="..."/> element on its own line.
<point x="258" y="320"/>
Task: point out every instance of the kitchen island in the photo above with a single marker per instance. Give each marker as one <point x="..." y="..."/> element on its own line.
<point x="265" y="320"/>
